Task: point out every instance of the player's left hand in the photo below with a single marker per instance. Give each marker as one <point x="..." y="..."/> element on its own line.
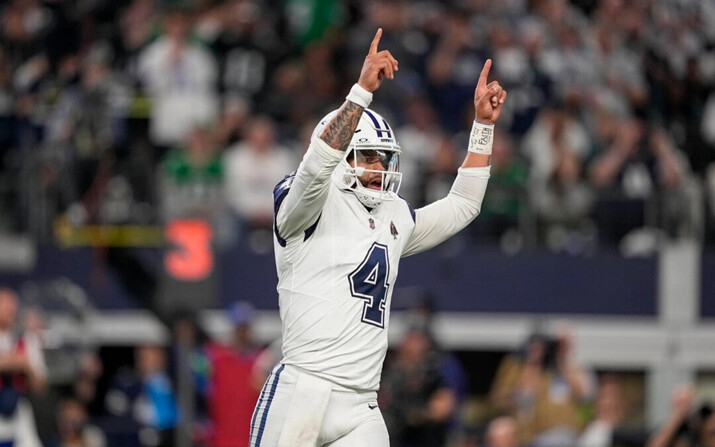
<point x="488" y="98"/>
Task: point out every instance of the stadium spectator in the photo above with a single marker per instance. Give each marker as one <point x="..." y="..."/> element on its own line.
<point x="22" y="370"/>
<point x="506" y="206"/>
<point x="611" y="409"/>
<point x="181" y="79"/>
<point x="686" y="112"/>
<point x="141" y="401"/>
<point x="440" y="172"/>
<point x="619" y="67"/>
<point x="420" y="316"/>
<point x="415" y="400"/>
<point x="556" y="146"/>
<point x="637" y="147"/>
<point x="707" y="431"/>
<point x="422" y="134"/>
<point x="321" y="80"/>
<point x="288" y="99"/>
<point x="543" y="388"/>
<point x="253" y="167"/>
<point x="191" y="179"/>
<point x="43" y="399"/>
<point x="74" y="428"/>
<point x="502" y="432"/>
<point x="137" y="25"/>
<point x="688" y="425"/>
<point x="269" y="357"/>
<point x="451" y="67"/>
<point x="246" y="38"/>
<point x="232" y="124"/>
<point x="233" y="383"/>
<point x="84" y="387"/>
<point x="642" y="165"/>
<point x="24" y="26"/>
<point x="87" y="127"/>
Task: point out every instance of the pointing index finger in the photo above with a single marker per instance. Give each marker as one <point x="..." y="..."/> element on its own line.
<point x="375" y="41"/>
<point x="485" y="73"/>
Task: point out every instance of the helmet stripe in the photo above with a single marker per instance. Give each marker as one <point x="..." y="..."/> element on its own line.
<point x="387" y="126"/>
<point x="377" y="124"/>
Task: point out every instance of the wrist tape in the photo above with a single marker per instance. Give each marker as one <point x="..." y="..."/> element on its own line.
<point x="359" y="96"/>
<point x="481" y="138"/>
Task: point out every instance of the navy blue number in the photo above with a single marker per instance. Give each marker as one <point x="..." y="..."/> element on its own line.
<point x="369" y="282"/>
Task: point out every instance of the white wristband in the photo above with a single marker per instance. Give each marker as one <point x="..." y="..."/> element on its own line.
<point x="481" y="138"/>
<point x="359" y="96"/>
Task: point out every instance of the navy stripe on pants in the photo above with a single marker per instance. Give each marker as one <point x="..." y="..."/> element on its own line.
<point x="269" y="399"/>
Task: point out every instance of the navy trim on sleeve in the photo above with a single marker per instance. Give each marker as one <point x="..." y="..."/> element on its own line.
<point x="279" y="194"/>
<point x="412" y="212"/>
<point x="311" y="229"/>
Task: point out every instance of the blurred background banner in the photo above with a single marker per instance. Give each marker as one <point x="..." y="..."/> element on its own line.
<point x="555" y="283"/>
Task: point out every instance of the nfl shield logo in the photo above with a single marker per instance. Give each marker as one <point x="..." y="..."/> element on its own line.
<point x="372" y="224"/>
<point x="393" y="230"/>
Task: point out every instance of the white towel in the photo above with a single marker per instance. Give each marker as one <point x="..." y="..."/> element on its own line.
<point x="306" y="412"/>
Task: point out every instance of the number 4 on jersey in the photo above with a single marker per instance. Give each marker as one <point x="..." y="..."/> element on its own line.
<point x="369" y="282"/>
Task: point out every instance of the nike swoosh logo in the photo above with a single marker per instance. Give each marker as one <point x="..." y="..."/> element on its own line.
<point x="371" y="406"/>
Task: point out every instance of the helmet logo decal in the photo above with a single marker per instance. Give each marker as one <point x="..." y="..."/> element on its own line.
<point x="372" y="223"/>
<point x="393" y="230"/>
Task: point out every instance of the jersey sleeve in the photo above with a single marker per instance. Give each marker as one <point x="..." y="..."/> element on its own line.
<point x="444" y="218"/>
<point x="299" y="198"/>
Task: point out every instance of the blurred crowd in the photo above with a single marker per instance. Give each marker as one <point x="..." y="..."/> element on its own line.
<point x="143" y="111"/>
<point x="200" y="391"/>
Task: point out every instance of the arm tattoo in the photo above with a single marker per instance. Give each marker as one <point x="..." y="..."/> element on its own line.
<point x="340" y="129"/>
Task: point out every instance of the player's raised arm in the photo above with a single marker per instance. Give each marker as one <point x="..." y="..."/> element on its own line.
<point x="378" y="65"/>
<point x="488" y="101"/>
<point x="442" y="219"/>
<point x="299" y="199"/>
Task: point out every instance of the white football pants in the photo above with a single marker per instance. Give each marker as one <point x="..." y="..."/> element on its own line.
<point x="297" y="409"/>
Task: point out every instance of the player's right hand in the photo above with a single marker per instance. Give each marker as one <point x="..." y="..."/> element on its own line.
<point x="377" y="66"/>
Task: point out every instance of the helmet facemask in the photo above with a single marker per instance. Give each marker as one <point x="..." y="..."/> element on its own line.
<point x="373" y="172"/>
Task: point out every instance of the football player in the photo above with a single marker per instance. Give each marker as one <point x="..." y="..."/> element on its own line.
<point x="340" y="231"/>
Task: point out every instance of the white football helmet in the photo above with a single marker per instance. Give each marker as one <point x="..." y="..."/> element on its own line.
<point x="373" y="140"/>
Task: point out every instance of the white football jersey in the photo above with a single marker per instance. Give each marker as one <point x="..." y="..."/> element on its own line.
<point x="335" y="294"/>
<point x="337" y="264"/>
